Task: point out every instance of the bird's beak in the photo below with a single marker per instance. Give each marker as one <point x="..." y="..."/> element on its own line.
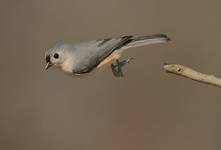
<point x="48" y="65"/>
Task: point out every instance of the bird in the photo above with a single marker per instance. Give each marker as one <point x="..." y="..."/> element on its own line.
<point x="78" y="59"/>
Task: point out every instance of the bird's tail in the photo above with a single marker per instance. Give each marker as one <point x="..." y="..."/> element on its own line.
<point x="146" y="40"/>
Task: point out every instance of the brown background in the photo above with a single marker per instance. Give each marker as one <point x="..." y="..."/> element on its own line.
<point x="149" y="109"/>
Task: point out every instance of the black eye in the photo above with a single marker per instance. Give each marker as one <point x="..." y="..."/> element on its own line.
<point x="56" y="56"/>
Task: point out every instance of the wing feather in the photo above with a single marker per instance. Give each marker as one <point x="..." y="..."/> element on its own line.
<point x="103" y="49"/>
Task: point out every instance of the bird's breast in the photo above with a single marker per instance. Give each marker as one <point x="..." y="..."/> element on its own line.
<point x="66" y="67"/>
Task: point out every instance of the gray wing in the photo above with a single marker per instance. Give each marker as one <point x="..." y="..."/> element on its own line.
<point x="91" y="54"/>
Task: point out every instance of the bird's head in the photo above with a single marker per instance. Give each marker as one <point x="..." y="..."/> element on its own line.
<point x="54" y="57"/>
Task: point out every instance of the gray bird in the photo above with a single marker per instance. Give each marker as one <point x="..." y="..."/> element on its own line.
<point x="82" y="58"/>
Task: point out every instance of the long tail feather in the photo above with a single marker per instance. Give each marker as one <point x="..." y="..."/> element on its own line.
<point x="146" y="40"/>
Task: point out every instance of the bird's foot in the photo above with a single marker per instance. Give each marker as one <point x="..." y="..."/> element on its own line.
<point x="117" y="68"/>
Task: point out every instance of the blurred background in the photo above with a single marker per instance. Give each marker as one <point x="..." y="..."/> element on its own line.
<point x="148" y="109"/>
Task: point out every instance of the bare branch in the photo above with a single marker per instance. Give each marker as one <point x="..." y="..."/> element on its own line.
<point x="192" y="74"/>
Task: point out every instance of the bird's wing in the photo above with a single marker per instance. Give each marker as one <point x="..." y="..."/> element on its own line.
<point x="94" y="52"/>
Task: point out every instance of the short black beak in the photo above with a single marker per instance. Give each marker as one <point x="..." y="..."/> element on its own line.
<point x="49" y="64"/>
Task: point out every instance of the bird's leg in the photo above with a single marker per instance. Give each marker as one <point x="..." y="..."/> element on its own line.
<point x="117" y="68"/>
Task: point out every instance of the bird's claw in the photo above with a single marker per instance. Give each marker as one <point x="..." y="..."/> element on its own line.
<point x="117" y="68"/>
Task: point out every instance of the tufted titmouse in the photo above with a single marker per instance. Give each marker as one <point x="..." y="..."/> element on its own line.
<point x="82" y="58"/>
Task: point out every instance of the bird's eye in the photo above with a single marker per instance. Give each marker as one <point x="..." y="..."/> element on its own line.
<point x="56" y="56"/>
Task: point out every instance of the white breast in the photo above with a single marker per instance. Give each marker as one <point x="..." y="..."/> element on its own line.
<point x="67" y="66"/>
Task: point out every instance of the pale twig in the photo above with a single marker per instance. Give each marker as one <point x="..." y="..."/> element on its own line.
<point x="192" y="74"/>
